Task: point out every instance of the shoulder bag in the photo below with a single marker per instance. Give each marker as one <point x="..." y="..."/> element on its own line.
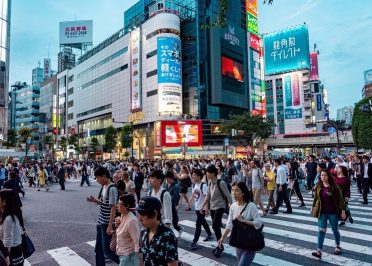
<point x="27" y="246"/>
<point x="246" y="237"/>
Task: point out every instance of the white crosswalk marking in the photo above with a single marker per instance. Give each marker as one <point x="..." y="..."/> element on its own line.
<point x="66" y="257"/>
<point x="26" y="263"/>
<point x="194" y="259"/>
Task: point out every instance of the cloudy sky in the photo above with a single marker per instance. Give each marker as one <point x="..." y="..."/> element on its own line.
<point x="341" y="30"/>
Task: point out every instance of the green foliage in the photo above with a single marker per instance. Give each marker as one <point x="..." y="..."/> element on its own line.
<point x="74" y="142"/>
<point x="249" y="127"/>
<point x="362" y="124"/>
<point x="94" y="144"/>
<point x="110" y="139"/>
<point x="12" y="138"/>
<point x="125" y="136"/>
<point x="24" y="133"/>
<point x="48" y="140"/>
<point x="126" y="154"/>
<point x="63" y="143"/>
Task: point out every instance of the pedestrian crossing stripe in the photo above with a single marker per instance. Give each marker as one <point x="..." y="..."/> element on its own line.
<point x="195" y="259"/>
<point x="66" y="257"/>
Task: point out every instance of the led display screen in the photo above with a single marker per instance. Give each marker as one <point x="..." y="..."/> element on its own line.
<point x="232" y="69"/>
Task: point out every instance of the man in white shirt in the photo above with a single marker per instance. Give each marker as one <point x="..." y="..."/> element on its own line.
<point x="281" y="184"/>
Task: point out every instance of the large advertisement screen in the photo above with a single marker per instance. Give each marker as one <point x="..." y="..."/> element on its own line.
<point x="135" y="70"/>
<point x="72" y="32"/>
<point x="314" y="74"/>
<point x="252" y="23"/>
<point x="287" y="50"/>
<point x="292" y="99"/>
<point x="176" y="133"/>
<point x="232" y="69"/>
<point x="169" y="75"/>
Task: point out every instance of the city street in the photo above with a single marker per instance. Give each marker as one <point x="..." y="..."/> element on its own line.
<point x="62" y="227"/>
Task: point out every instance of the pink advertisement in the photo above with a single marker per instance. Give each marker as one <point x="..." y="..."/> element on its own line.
<point x="314" y="75"/>
<point x="296" y="89"/>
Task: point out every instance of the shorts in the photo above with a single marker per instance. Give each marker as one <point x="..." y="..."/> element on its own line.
<point x="183" y="190"/>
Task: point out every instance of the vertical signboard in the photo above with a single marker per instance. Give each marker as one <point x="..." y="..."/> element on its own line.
<point x="254" y="42"/>
<point x="293" y="108"/>
<point x="314" y="75"/>
<point x="169" y="75"/>
<point x="252" y="22"/>
<point x="47" y="67"/>
<point x="319" y="102"/>
<point x="251" y="7"/>
<point x="135" y="70"/>
<point x="287" y="50"/>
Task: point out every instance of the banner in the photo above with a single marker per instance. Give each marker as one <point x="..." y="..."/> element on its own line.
<point x="254" y="42"/>
<point x="251" y="7"/>
<point x="292" y="100"/>
<point x="135" y="70"/>
<point x="252" y="22"/>
<point x="314" y="75"/>
<point x="73" y="32"/>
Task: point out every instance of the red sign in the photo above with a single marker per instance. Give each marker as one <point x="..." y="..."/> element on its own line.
<point x="255" y="42"/>
<point x="177" y="133"/>
<point x="314" y="75"/>
<point x="251" y="7"/>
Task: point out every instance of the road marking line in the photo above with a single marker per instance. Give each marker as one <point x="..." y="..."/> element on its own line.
<point x="92" y="243"/>
<point x="26" y="263"/>
<point x="66" y="257"/>
<point x="356" y="218"/>
<point x="194" y="259"/>
<point x="352" y="206"/>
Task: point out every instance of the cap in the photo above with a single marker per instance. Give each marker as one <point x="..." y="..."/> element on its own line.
<point x="149" y="203"/>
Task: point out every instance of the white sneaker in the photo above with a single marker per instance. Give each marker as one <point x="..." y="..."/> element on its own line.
<point x="180" y="232"/>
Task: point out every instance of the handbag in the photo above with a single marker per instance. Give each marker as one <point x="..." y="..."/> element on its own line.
<point x="27" y="246"/>
<point x="246" y="237"/>
<point x="113" y="241"/>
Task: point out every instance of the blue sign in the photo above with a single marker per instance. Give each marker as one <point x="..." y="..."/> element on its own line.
<point x="319" y="102"/>
<point x="287" y="50"/>
<point x="226" y="140"/>
<point x="169" y="60"/>
<point x="331" y="130"/>
<point x="291" y="113"/>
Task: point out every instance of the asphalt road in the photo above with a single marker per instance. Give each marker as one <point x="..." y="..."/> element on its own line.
<point x="62" y="226"/>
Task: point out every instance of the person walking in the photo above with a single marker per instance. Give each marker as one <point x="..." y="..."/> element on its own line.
<point x="328" y="205"/>
<point x="269" y="176"/>
<point x="61" y="175"/>
<point x="257" y="185"/>
<point x="184" y="183"/>
<point x="2" y="176"/>
<point x="42" y="178"/>
<point x="137" y="177"/>
<point x="281" y="184"/>
<point x="84" y="175"/>
<point x="217" y="199"/>
<point x="366" y="176"/>
<point x="246" y="212"/>
<point x="11" y="225"/>
<point x="344" y="183"/>
<point x="294" y="175"/>
<point x="199" y="192"/>
<point x="107" y="200"/>
<point x="127" y="232"/>
<point x="310" y="172"/>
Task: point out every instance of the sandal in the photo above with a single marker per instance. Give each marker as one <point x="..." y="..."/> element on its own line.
<point x="317" y="254"/>
<point x="337" y="251"/>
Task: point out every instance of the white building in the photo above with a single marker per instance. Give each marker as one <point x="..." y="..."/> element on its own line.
<point x="345" y="114"/>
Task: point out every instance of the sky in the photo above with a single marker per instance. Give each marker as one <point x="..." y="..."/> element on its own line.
<point x="341" y="29"/>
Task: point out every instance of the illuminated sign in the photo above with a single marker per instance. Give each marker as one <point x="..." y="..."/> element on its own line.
<point x="314" y="74"/>
<point x="47" y="67"/>
<point x="319" y="102"/>
<point x="287" y="50"/>
<point x="230" y="36"/>
<point x="73" y="32"/>
<point x="135" y="70"/>
<point x="216" y="129"/>
<point x="251" y="7"/>
<point x="176" y="133"/>
<point x="169" y="75"/>
<point x="136" y="117"/>
<point x="252" y="23"/>
<point x="232" y="69"/>
<point x="291" y="91"/>
<point x="254" y="42"/>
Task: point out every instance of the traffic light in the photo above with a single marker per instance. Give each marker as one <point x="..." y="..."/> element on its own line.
<point x="55" y="131"/>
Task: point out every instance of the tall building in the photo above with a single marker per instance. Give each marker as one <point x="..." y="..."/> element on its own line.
<point x="345" y="114"/>
<point x="37" y="76"/>
<point x="162" y="66"/>
<point x="66" y="59"/>
<point x="367" y="88"/>
<point x="5" y="11"/>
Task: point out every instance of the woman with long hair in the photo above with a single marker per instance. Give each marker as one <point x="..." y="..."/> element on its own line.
<point x="328" y="205"/>
<point x="250" y="216"/>
<point x="344" y="183"/>
<point x="184" y="180"/>
<point x="11" y="225"/>
<point x="294" y="175"/>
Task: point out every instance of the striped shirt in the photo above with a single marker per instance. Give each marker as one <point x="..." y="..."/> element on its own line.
<point x="108" y="197"/>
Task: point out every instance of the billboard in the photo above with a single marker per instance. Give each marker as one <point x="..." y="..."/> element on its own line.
<point x="319" y="102"/>
<point x="251" y="7"/>
<point x="73" y="32"/>
<point x="47" y="70"/>
<point x="135" y="70"/>
<point x="287" y="50"/>
<point x="252" y="23"/>
<point x="291" y="96"/>
<point x="254" y="42"/>
<point x="169" y="75"/>
<point x="176" y="133"/>
<point x="232" y="69"/>
<point x="314" y="75"/>
<point x="368" y="76"/>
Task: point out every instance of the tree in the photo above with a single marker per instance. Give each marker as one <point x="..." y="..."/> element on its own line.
<point x="126" y="137"/>
<point x="248" y="128"/>
<point x="73" y="141"/>
<point x="12" y="138"/>
<point x="362" y="124"/>
<point x="94" y="144"/>
<point x="339" y="125"/>
<point x="63" y="144"/>
<point x="110" y="139"/>
<point x="24" y="133"/>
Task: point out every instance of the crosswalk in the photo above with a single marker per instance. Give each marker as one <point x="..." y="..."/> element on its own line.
<point x="289" y="239"/>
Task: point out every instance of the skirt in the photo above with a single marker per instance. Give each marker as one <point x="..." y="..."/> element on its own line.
<point x="16" y="254"/>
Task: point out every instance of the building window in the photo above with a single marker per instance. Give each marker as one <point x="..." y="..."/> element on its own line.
<point x="152" y="93"/>
<point x="152" y="73"/>
<point x="70" y="78"/>
<point x="99" y="109"/>
<point x="159" y="31"/>
<point x="70" y="103"/>
<point x="70" y="91"/>
<point x="70" y="116"/>
<point x="151" y="54"/>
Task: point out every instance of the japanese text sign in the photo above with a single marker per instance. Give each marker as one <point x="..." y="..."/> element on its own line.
<point x="169" y="60"/>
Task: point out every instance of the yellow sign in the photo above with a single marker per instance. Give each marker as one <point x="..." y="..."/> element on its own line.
<point x="135" y="118"/>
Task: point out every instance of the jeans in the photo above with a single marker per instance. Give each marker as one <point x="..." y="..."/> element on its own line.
<point x="245" y="257"/>
<point x="322" y="224"/>
<point x="85" y="178"/>
<point x="102" y="248"/>
<point x="359" y="183"/>
<point x="310" y="181"/>
<point x="200" y="221"/>
<point x="138" y="193"/>
<point x="283" y="195"/>
<point x="217" y="222"/>
<point x="130" y="260"/>
<point x="296" y="188"/>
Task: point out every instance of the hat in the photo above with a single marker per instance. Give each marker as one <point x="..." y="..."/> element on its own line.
<point x="149" y="203"/>
<point x="340" y="157"/>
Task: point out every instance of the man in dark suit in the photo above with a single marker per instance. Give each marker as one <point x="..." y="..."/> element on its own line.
<point x="366" y="175"/>
<point x="137" y="177"/>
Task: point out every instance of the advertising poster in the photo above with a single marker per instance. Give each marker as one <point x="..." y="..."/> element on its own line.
<point x="314" y="75"/>
<point x="47" y="71"/>
<point x="169" y="75"/>
<point x="293" y="108"/>
<point x="232" y="69"/>
<point x="72" y="32"/>
<point x="254" y="42"/>
<point x="175" y="133"/>
<point x="286" y="51"/>
<point x="135" y="70"/>
<point x="251" y="7"/>
<point x="319" y="102"/>
<point x="252" y="26"/>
